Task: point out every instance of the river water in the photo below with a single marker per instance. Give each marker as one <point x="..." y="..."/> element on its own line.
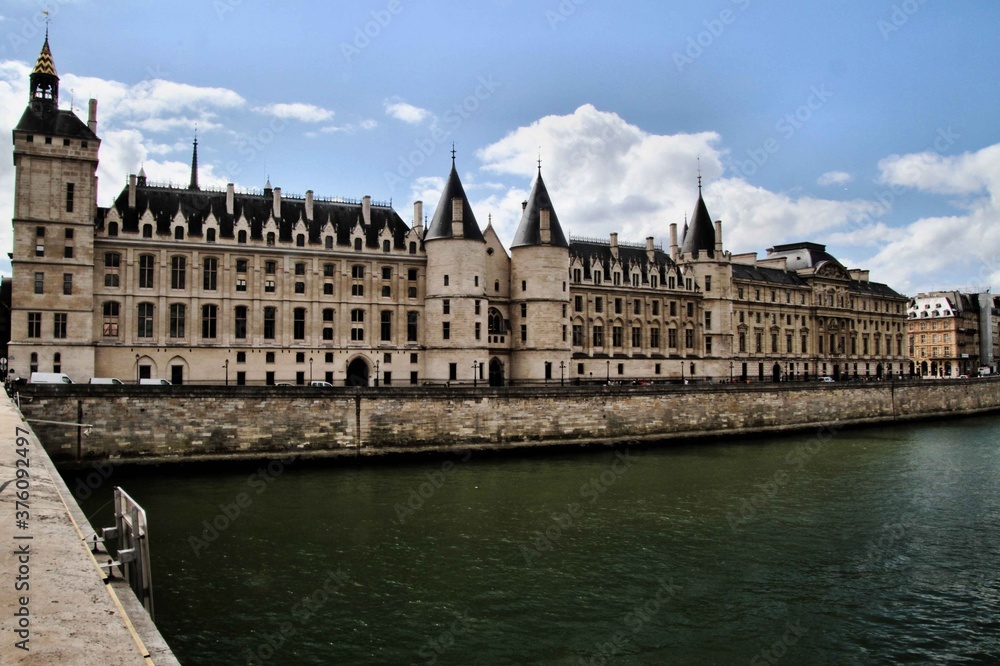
<point x="877" y="545"/>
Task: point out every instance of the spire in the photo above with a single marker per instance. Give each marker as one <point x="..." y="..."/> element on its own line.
<point x="539" y="222"/>
<point x="141" y="180"/>
<point x="453" y="213"/>
<point x="701" y="234"/>
<point x="44" y="82"/>
<point x="194" y="165"/>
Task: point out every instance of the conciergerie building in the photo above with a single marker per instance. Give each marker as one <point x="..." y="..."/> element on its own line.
<point x="195" y="285"/>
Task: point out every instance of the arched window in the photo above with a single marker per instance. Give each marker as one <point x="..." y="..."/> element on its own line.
<point x="112" y="229"/>
<point x="210" y="235"/>
<point x="329" y="242"/>
<point x="270" y="239"/>
<point x="386" y="246"/>
<point x="178" y="233"/>
<point x="57" y="362"/>
<point x="300" y="240"/>
<point x="33" y="367"/>
<point x="413" y="247"/>
<point x="357" y="244"/>
<point x="495" y="323"/>
<point x="147" y="231"/>
<point x="241" y="237"/>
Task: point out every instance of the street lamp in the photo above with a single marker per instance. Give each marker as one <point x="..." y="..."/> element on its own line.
<point x="608" y="379"/>
<point x="562" y="373"/>
<point x="226" y="366"/>
<point x="137" y="369"/>
<point x="475" y="373"/>
<point x="310" y="369"/>
<point x="730" y="372"/>
<point x="682" y="371"/>
<point x="376" y="373"/>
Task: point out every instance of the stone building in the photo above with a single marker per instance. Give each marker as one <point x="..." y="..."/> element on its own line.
<point x="199" y="285"/>
<point x="952" y="333"/>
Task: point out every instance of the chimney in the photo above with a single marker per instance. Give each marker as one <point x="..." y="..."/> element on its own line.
<point x="673" y="242"/>
<point x="649" y="244"/>
<point x="543" y="226"/>
<point x="277" y="203"/>
<point x="718" y="237"/>
<point x="230" y="199"/>
<point x="614" y="240"/>
<point x="366" y="210"/>
<point x="309" y="205"/>
<point x="418" y="214"/>
<point x="92" y="116"/>
<point x="457" y="220"/>
<point x="131" y="191"/>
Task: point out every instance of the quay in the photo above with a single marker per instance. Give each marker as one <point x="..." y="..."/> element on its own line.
<point x="58" y="606"/>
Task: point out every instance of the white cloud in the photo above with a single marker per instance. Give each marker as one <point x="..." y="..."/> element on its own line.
<point x="834" y="178"/>
<point x="307" y="113"/>
<point x="407" y="113"/>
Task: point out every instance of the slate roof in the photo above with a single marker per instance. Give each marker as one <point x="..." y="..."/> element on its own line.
<point x="529" y="230"/>
<point x="628" y="255"/>
<point x="196" y="205"/>
<point x="59" y="123"/>
<point x="700" y="235"/>
<point x="440" y="226"/>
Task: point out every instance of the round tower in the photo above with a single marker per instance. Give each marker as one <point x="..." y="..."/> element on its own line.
<point x="539" y="292"/>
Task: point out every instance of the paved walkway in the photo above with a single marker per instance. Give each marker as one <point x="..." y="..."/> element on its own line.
<point x="53" y="598"/>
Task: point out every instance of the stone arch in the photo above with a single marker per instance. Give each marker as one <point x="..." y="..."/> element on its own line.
<point x="358" y="372"/>
<point x="496" y="372"/>
<point x="145" y="368"/>
<point x="180" y="370"/>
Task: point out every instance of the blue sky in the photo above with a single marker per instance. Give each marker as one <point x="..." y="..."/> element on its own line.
<point x="867" y="125"/>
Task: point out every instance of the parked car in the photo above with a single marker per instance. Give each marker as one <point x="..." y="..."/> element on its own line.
<point x="153" y="382"/>
<point x="321" y="384"/>
<point x="106" y="380"/>
<point x="827" y="379"/>
<point x="49" y="378"/>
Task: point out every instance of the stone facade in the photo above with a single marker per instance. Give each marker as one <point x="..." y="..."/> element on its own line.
<point x="202" y="286"/>
<point x="953" y="333"/>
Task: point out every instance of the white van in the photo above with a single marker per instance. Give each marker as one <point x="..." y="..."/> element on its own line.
<point x="49" y="378"/>
<point x="154" y="382"/>
<point x="106" y="380"/>
<point x="320" y="384"/>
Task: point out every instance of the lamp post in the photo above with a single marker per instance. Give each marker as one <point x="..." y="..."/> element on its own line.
<point x="730" y="372"/>
<point x="376" y="373"/>
<point x="562" y="373"/>
<point x="682" y="371"/>
<point x="310" y="369"/>
<point x="475" y="374"/>
<point x="137" y="369"/>
<point x="226" y="366"/>
<point x="608" y="377"/>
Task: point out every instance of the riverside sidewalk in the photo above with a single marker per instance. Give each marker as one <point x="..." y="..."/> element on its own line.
<point x="55" y="607"/>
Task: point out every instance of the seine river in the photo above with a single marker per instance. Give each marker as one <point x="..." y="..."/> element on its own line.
<point x="856" y="547"/>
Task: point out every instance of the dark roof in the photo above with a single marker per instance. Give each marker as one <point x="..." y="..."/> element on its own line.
<point x="628" y="255"/>
<point x="59" y="123"/>
<point x="803" y="255"/>
<point x="766" y="274"/>
<point x="529" y="231"/>
<point x="873" y="289"/>
<point x="196" y="205"/>
<point x="441" y="224"/>
<point x="700" y="236"/>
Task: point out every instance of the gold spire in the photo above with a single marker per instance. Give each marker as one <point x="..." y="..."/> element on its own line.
<point x="45" y="64"/>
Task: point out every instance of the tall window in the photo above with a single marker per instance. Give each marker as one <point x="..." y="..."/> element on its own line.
<point x="299" y="324"/>
<point x="269" y="317"/>
<point x="70" y="189"/>
<point x="386" y="325"/>
<point x="146" y="271"/>
<point x="240" y="329"/>
<point x="357" y="325"/>
<point x="178" y="272"/>
<point x="654" y="337"/>
<point x="598" y="336"/>
<point x="209" y="317"/>
<point x="112" y="264"/>
<point x="111" y="311"/>
<point x="411" y="326"/>
<point x="39" y="283"/>
<point x="178" y="314"/>
<point x="210" y="274"/>
<point x="67" y="284"/>
<point x="144" y="321"/>
<point x="357" y="275"/>
<point x="59" y="325"/>
<point x="34" y="324"/>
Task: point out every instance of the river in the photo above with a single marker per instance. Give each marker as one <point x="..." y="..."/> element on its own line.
<point x="877" y="545"/>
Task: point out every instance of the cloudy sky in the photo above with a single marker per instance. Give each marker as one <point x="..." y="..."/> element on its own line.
<point x="868" y="125"/>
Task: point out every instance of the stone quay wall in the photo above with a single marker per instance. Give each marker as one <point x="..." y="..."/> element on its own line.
<point x="151" y="423"/>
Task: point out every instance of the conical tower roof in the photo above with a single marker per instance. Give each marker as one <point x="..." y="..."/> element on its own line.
<point x="700" y="235"/>
<point x="45" y="64"/>
<point x="529" y="231"/>
<point x="441" y="225"/>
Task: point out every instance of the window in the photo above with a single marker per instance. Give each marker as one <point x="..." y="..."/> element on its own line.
<point x="656" y="308"/>
<point x="577" y="335"/>
<point x="300" y="287"/>
<point x="636" y="336"/>
<point x="240" y="328"/>
<point x="144" y="321"/>
<point x="690" y="310"/>
<point x="637" y="307"/>
<point x="112" y="264"/>
<point x="178" y="315"/>
<point x="616" y="336"/>
<point x="524" y="309"/>
<point x="386" y="325"/>
<point x="328" y="242"/>
<point x="241" y="284"/>
<point x="270" y="239"/>
<point x="598" y="304"/>
<point x="269" y="286"/>
<point x="34" y="324"/>
<point x="446" y="306"/>
<point x="241" y="237"/>
<point x="209" y="314"/>
<point x="178" y="272"/>
<point x="178" y="233"/>
<point x="446" y="330"/>
<point x="270" y="267"/>
<point x="386" y="246"/>
<point x="708" y="283"/>
<point x="357" y="325"/>
<point x="411" y="326"/>
<point x="774" y="343"/>
<point x="446" y="280"/>
<point x="39" y="283"/>
<point x="708" y="321"/>
<point x="386" y="291"/>
<point x="146" y="263"/>
<point x="269" y="324"/>
<point x="300" y="269"/>
<point x="524" y="332"/>
<point x="70" y="189"/>
<point x="598" y="336"/>
<point x="300" y="240"/>
<point x="357" y="245"/>
<point x="147" y="231"/>
<point x="654" y="337"/>
<point x="413" y="247"/>
<point x="57" y="362"/>
<point x="672" y="338"/>
<point x="758" y="342"/>
<point x="210" y="274"/>
<point x="59" y="325"/>
<point x="68" y="252"/>
<point x="453" y="372"/>
<point x="241" y="265"/>
<point x="210" y="235"/>
<point x="618" y="306"/>
<point x="39" y="241"/>
<point x="111" y="311"/>
<point x="689" y="338"/>
<point x="328" y="333"/>
<point x="299" y="324"/>
<point x="67" y="284"/>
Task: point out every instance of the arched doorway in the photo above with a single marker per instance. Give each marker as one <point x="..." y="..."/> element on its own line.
<point x="776" y="373"/>
<point x="934" y="369"/>
<point x="879" y="371"/>
<point x="947" y="368"/>
<point x="923" y="369"/>
<point x="357" y="373"/>
<point x="836" y="371"/>
<point x="496" y="372"/>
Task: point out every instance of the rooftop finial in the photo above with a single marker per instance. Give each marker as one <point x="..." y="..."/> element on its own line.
<point x="453" y="153"/>
<point x="193" y="185"/>
<point x="539" y="160"/>
<point x="699" y="176"/>
<point x="48" y="20"/>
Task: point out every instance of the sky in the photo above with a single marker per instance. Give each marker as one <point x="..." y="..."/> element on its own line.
<point x="866" y="125"/>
